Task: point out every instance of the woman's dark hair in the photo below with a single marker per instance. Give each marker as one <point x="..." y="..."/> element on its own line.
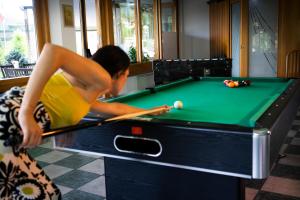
<point x="112" y="58"/>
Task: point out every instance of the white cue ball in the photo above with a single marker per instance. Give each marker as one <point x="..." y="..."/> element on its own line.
<point x="178" y="104"/>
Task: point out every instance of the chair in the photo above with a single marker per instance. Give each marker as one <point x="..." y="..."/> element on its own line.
<point x="11" y="72"/>
<point x="292" y="67"/>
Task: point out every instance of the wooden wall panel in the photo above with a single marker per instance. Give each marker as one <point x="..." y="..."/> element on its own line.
<point x="288" y="33"/>
<point x="6" y="84"/>
<point x="219" y="28"/>
<point x="293" y="64"/>
<point x="106" y="20"/>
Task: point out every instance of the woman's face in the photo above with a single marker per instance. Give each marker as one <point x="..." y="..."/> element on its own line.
<point x="118" y="82"/>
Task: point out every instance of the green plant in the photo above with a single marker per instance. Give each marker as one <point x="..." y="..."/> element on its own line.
<point x="15" y="54"/>
<point x="18" y="50"/>
<point x="18" y="43"/>
<point x="146" y="57"/>
<point x="132" y="54"/>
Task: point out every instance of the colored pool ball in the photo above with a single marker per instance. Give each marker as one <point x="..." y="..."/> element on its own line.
<point x="231" y="84"/>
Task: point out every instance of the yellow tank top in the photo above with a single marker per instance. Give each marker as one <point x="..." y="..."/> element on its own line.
<point x="63" y="103"/>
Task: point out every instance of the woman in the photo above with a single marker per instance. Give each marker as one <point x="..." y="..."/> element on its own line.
<point x="62" y="88"/>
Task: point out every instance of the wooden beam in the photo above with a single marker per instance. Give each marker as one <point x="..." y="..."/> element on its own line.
<point x="176" y="26"/>
<point x="106" y="18"/>
<point x="157" y="29"/>
<point x="138" y="31"/>
<point x="41" y="16"/>
<point x="244" y="39"/>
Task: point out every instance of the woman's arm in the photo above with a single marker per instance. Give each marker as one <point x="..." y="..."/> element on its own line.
<point x="120" y="108"/>
<point x="113" y="108"/>
<point x="52" y="58"/>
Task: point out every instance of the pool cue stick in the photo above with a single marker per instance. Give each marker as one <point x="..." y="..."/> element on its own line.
<point x="17" y="139"/>
<point x="101" y="122"/>
<point x="136" y="114"/>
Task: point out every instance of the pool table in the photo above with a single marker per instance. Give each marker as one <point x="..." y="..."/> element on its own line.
<point x="206" y="150"/>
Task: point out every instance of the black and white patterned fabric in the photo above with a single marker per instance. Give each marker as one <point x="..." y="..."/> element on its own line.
<point x="20" y="175"/>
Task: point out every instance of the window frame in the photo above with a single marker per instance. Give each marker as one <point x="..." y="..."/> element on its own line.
<point x="41" y="17"/>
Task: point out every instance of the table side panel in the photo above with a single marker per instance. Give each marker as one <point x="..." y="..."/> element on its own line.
<point x="283" y="123"/>
<point x="193" y="148"/>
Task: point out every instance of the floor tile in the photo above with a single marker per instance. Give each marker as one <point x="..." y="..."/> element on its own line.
<point x="288" y="140"/>
<point x="295" y="127"/>
<point x="250" y="193"/>
<point x="282" y="186"/>
<point x="290" y="159"/>
<point x="42" y="164"/>
<point x="75" y="161"/>
<point x="96" y="186"/>
<point x="53" y="156"/>
<point x="292" y="133"/>
<point x="296" y="141"/>
<point x="47" y="143"/>
<point x="80" y="195"/>
<point x="262" y="195"/>
<point x="75" y="178"/>
<point x="296" y="122"/>
<point x="254" y="183"/>
<point x="54" y="171"/>
<point x="37" y="151"/>
<point x="283" y="148"/>
<point x="64" y="190"/>
<point x="286" y="171"/>
<point x="97" y="167"/>
<point x="293" y="149"/>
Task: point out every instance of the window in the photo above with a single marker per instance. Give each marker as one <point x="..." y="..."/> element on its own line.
<point x="78" y="28"/>
<point x="92" y="25"/>
<point x="17" y="33"/>
<point x="93" y="36"/>
<point x="168" y="15"/>
<point x="147" y="23"/>
<point x="125" y="26"/>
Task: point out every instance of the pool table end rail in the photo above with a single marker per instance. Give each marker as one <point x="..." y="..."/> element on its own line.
<point x="261" y="153"/>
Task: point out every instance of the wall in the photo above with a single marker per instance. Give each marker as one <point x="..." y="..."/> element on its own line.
<point x="140" y="82"/>
<point x="194" y="29"/>
<point x="60" y="34"/>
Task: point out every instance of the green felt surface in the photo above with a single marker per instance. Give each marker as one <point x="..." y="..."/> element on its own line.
<point x="208" y="100"/>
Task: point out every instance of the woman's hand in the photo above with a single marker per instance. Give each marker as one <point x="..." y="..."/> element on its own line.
<point x="163" y="111"/>
<point x="31" y="131"/>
